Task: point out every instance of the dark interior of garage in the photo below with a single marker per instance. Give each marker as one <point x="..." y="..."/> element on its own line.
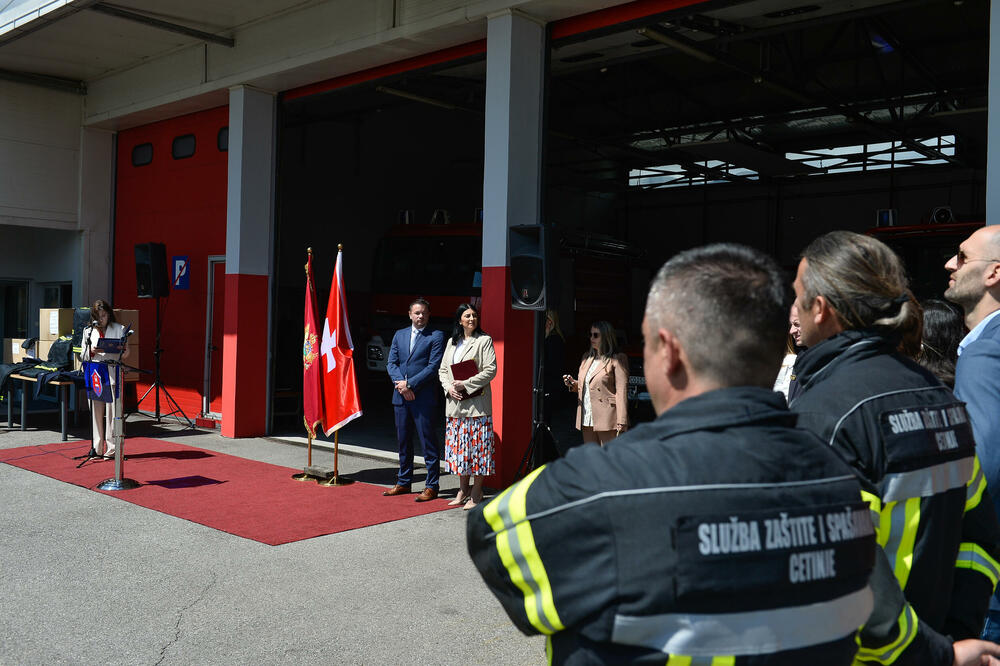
<point x="765" y="123"/>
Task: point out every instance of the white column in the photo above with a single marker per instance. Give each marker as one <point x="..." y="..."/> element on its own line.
<point x="993" y="124"/>
<point x="250" y="197"/>
<point x="515" y="76"/>
<point x="96" y="211"/>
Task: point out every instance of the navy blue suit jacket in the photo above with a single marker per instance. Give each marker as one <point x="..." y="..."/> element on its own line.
<point x="977" y="383"/>
<point x="419" y="367"/>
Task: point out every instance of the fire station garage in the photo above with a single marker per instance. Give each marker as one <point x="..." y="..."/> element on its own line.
<point x="415" y="135"/>
<point x="758" y="123"/>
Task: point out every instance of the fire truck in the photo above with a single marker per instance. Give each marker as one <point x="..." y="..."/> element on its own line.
<point x="443" y="263"/>
<point x="439" y="262"/>
<point x="924" y="249"/>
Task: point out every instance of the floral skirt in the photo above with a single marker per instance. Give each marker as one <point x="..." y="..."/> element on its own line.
<point x="468" y="445"/>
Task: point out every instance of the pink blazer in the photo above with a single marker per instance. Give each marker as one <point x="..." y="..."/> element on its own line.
<point x="608" y="392"/>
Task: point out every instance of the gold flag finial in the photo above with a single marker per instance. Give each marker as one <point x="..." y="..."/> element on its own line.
<point x="340" y="247"/>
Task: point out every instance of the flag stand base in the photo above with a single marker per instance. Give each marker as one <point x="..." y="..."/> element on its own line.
<point x="304" y="477"/>
<point x="335" y="480"/>
<point x="118" y="484"/>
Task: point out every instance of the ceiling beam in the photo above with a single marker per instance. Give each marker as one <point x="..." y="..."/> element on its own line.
<point x="128" y="15"/>
<point x="45" y="81"/>
<point x="691" y="48"/>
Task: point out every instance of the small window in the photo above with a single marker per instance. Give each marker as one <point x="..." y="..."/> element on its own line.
<point x="223" y="139"/>
<point x="142" y="154"/>
<point x="183" y="147"/>
<point x="57" y="295"/>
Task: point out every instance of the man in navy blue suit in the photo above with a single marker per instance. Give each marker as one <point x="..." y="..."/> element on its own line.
<point x="974" y="284"/>
<point x="414" y="357"/>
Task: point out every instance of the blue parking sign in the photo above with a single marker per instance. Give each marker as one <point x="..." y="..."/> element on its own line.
<point x="181" y="272"/>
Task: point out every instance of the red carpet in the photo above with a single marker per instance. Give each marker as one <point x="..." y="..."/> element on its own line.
<point x="247" y="498"/>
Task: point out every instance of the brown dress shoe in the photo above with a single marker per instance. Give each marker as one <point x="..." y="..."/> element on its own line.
<point x="427" y="495"/>
<point x="397" y="490"/>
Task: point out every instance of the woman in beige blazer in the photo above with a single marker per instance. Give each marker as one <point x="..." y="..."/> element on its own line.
<point x="468" y="447"/>
<point x="601" y="387"/>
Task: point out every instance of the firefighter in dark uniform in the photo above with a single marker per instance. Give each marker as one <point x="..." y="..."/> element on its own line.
<point x="910" y="440"/>
<point x="716" y="535"/>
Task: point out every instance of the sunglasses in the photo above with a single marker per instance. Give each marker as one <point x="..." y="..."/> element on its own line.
<point x="594" y="335"/>
<point x="963" y="258"/>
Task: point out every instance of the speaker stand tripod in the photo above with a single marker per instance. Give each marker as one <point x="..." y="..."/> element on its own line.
<point x="542" y="447"/>
<point x="158" y="386"/>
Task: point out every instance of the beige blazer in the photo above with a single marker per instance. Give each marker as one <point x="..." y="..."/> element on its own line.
<point x="481" y="351"/>
<point x="608" y="392"/>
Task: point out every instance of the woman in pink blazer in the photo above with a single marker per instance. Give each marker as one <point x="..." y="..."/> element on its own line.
<point x="601" y="387"/>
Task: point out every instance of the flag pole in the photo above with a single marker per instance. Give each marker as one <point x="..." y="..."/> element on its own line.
<point x="304" y="476"/>
<point x="335" y="480"/>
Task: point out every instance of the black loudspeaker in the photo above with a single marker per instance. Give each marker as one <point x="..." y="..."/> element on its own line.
<point x="151" y="270"/>
<point x="528" y="266"/>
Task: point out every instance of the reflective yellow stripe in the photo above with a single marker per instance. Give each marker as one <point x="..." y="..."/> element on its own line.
<point x="875" y="506"/>
<point x="971" y="556"/>
<point x="548" y="650"/>
<point x="686" y="660"/>
<point x="897" y="534"/>
<point x="904" y="553"/>
<point x="515" y="544"/>
<point x="887" y="654"/>
<point x="976" y="486"/>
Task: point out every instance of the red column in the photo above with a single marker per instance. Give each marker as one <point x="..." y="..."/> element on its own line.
<point x="513" y="338"/>
<point x="244" y="356"/>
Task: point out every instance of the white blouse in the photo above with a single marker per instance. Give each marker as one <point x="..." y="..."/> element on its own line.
<point x="588" y="414"/>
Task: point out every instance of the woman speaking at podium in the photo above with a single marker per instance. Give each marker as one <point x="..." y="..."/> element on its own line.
<point x="102" y="414"/>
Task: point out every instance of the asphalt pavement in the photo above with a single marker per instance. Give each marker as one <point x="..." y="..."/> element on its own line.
<point x="89" y="578"/>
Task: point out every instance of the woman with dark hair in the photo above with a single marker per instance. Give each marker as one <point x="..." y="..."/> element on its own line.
<point x="601" y="387"/>
<point x="102" y="414"/>
<point x="468" y="405"/>
<point x="944" y="328"/>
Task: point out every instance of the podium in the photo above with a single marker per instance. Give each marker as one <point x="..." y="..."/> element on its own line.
<point x="98" y="377"/>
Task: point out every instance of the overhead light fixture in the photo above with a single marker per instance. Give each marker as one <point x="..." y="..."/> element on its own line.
<point x="793" y="11"/>
<point x="415" y="98"/>
<point x="582" y="57"/>
<point x="681" y="46"/>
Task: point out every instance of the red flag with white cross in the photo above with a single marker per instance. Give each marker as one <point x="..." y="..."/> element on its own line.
<point x="340" y="386"/>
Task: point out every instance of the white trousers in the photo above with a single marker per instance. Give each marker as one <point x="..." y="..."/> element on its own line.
<point x="102" y="422"/>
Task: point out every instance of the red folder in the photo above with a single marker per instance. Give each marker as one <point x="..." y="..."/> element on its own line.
<point x="464" y="370"/>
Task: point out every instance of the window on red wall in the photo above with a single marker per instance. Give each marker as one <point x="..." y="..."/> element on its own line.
<point x="142" y="154"/>
<point x="183" y="147"/>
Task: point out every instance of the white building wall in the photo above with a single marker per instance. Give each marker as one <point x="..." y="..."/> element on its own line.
<point x="39" y="156"/>
<point x="56" y="189"/>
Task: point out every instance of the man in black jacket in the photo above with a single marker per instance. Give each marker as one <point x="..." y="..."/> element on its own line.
<point x="910" y="441"/>
<point x="717" y="534"/>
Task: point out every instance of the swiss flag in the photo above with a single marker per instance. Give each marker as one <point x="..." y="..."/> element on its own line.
<point x="340" y="386"/>
<point x="312" y="377"/>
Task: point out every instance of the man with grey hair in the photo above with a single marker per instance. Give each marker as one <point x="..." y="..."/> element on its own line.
<point x="909" y="440"/>
<point x="974" y="284"/>
<point x="717" y="534"/>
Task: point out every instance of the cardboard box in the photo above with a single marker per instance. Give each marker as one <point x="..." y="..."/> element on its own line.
<point x="18" y="353"/>
<point x="53" y="322"/>
<point x="126" y="317"/>
<point x="43" y="347"/>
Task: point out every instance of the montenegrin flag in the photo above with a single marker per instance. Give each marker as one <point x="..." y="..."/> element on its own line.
<point x="340" y="387"/>
<point x="312" y="378"/>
